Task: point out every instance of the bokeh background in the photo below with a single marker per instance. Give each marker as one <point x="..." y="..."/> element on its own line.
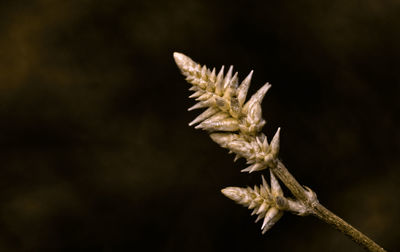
<point x="96" y="154"/>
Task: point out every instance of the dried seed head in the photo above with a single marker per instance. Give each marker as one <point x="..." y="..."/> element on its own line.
<point x="223" y="93"/>
<point x="260" y="199"/>
<point x="236" y="125"/>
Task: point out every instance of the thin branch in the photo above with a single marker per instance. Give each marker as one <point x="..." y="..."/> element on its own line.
<point x="309" y="199"/>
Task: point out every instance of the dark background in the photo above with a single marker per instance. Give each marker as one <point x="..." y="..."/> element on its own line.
<point x="96" y="154"/>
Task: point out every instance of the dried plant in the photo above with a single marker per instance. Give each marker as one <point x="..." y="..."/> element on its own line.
<point x="236" y="125"/>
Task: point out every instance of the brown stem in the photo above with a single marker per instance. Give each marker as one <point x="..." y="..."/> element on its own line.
<point x="309" y="199"/>
<point x="324" y="214"/>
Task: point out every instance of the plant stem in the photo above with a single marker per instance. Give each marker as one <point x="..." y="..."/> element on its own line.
<point x="309" y="199"/>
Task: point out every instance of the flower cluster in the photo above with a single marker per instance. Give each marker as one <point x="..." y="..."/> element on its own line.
<point x="264" y="200"/>
<point x="256" y="150"/>
<point x="233" y="123"/>
<point x="236" y="125"/>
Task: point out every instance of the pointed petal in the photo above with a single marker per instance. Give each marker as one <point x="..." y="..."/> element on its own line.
<point x="275" y="143"/>
<point x="260" y="216"/>
<point x="202" y="104"/>
<point x="203" y="73"/>
<point x="275" y="187"/>
<point x="204" y="96"/>
<point x="197" y="106"/>
<point x="254" y="114"/>
<point x="254" y="167"/>
<point x="263" y="208"/>
<point x="196" y="94"/>
<point x="250" y="161"/>
<point x="252" y="205"/>
<point x="195" y="88"/>
<point x="243" y="88"/>
<point x="254" y="211"/>
<point x="215" y="118"/>
<point x="258" y="167"/>
<point x="211" y="81"/>
<point x="223" y="139"/>
<point x="203" y="116"/>
<point x="263" y="192"/>
<point x="257" y="97"/>
<point x="256" y="189"/>
<point x="219" y="85"/>
<point x="272" y="222"/>
<point x="265" y="144"/>
<point x="212" y="75"/>
<point x="269" y="216"/>
<point x="230" y="89"/>
<point x="237" y="156"/>
<point x="248" y="169"/>
<point x="234" y="82"/>
<point x="227" y="124"/>
<point x="228" y="77"/>
<point x="265" y="186"/>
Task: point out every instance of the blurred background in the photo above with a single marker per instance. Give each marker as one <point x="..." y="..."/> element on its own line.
<point x="96" y="153"/>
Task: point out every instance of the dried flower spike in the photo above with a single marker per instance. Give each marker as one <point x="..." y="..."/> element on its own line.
<point x="228" y="114"/>
<point x="236" y="125"/>
<point x="223" y="97"/>
<point x="267" y="202"/>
